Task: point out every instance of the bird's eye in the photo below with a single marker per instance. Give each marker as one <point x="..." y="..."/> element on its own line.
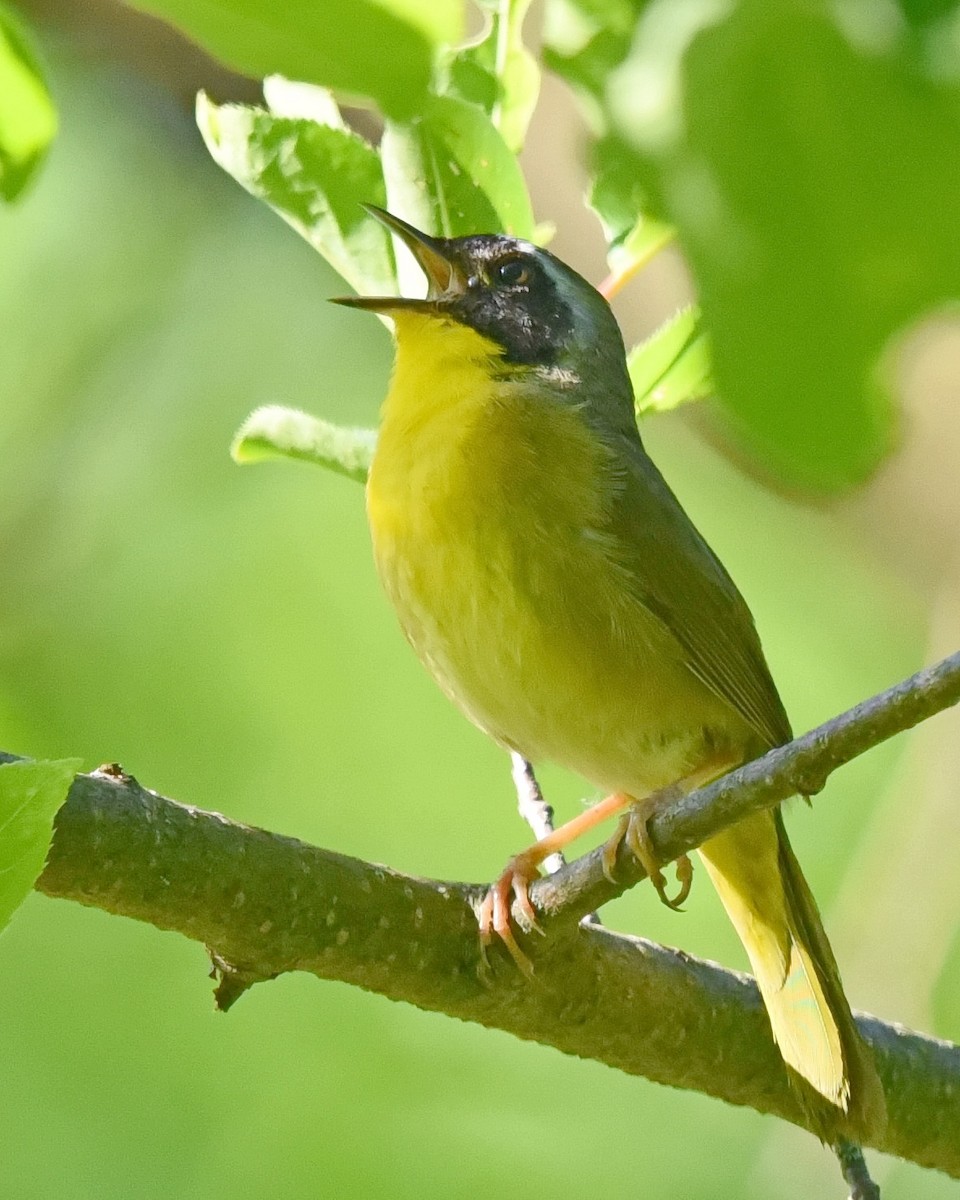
<point x="512" y="272"/>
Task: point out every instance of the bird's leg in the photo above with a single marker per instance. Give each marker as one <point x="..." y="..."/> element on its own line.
<point x="537" y="813"/>
<point x="494" y="913"/>
<point x="632" y="830"/>
<point x="523" y="868"/>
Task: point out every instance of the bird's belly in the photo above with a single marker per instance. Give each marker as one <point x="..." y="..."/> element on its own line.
<point x="546" y="661"/>
<point x="506" y="582"/>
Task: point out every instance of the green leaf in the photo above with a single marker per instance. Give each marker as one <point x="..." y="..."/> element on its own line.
<point x="30" y="795"/>
<point x="498" y="73"/>
<point x="642" y="242"/>
<point x="617" y="197"/>
<point x="381" y="49"/>
<point x="315" y="176"/>
<point x="672" y="367"/>
<point x="28" y="119"/>
<point x="585" y="41"/>
<point x="616" y="192"/>
<point x="803" y="174"/>
<point x="925" y="13"/>
<point x="807" y="221"/>
<point x="278" y="432"/>
<point x="450" y="173"/>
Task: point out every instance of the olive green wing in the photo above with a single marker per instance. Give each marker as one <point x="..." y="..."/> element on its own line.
<point x="681" y="581"/>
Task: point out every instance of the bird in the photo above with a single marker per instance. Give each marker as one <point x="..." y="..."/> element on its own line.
<point x="550" y="581"/>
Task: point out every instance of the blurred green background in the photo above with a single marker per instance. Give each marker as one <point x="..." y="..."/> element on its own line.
<point x="221" y="633"/>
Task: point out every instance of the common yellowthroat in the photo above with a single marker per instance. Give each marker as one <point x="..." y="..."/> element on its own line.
<point x="552" y="584"/>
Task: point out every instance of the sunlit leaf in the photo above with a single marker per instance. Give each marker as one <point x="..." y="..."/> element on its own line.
<point x="278" y="432"/>
<point x="672" y="367"/>
<point x="290" y="98"/>
<point x="341" y="44"/>
<point x="450" y="172"/>
<point x="30" y="795"/>
<point x="317" y="177"/>
<point x="28" y="119"/>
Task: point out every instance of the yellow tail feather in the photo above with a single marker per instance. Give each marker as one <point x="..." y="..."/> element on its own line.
<point x="766" y="897"/>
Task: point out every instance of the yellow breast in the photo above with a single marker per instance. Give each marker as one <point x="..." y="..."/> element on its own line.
<point x="486" y="502"/>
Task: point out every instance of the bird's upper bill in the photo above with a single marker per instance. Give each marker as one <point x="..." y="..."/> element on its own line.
<point x="445" y="277"/>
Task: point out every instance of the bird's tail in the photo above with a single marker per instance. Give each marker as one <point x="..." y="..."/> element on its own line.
<point x="767" y="898"/>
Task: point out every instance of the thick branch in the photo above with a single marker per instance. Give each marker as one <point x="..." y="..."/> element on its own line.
<point x="267" y="904"/>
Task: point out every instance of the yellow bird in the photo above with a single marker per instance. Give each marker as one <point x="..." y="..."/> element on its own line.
<point x="556" y="590"/>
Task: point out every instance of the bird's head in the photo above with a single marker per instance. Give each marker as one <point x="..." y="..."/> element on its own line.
<point x="539" y="313"/>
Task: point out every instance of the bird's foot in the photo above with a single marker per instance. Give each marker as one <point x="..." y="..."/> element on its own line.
<point x="632" y="830"/>
<point x="494" y="915"/>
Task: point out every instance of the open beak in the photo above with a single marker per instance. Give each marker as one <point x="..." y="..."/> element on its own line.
<point x="445" y="279"/>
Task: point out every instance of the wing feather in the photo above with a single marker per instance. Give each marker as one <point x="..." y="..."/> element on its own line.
<point x="679" y="579"/>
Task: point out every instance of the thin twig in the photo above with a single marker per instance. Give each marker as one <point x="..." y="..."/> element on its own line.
<point x="533" y="808"/>
<point x="854" y="1168"/>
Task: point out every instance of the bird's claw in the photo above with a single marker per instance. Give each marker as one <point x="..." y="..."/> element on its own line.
<point x="632" y="830"/>
<point x="684" y="869"/>
<point x="496" y="910"/>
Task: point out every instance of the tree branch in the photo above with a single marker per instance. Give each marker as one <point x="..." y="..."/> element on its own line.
<point x="266" y="904"/>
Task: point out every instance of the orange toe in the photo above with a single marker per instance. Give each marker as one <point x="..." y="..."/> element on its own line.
<point x="495" y="917"/>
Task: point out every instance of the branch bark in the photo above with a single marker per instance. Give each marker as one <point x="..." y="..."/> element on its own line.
<point x="265" y="904"/>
